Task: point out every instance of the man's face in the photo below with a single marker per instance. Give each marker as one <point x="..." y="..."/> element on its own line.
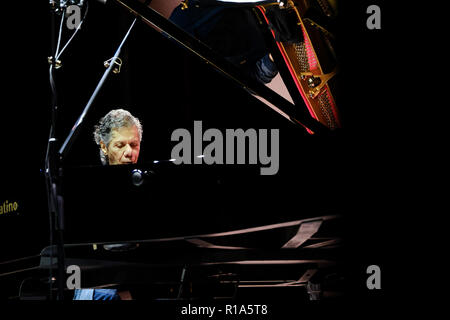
<point x="124" y="146"/>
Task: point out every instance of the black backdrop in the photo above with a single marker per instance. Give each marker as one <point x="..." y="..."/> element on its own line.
<point x="168" y="88"/>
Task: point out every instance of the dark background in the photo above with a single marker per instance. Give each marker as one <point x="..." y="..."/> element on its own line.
<point x="360" y="170"/>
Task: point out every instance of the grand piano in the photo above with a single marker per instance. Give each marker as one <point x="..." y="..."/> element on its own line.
<point x="169" y="232"/>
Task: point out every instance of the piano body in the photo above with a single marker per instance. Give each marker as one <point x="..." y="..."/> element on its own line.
<point x="228" y="230"/>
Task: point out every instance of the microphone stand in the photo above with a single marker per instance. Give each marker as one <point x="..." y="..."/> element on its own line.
<point x="54" y="160"/>
<point x="52" y="175"/>
<point x="75" y="129"/>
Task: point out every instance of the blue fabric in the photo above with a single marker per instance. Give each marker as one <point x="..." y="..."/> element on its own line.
<point x="233" y="33"/>
<point x="83" y="294"/>
<point x="266" y="70"/>
<point x="198" y="21"/>
<point x="96" y="294"/>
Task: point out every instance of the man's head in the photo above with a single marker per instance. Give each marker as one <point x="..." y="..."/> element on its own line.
<point x="119" y="136"/>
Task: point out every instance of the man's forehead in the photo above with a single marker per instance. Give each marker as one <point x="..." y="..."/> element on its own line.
<point x="125" y="133"/>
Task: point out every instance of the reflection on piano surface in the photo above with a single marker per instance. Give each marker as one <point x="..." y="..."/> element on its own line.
<point x="200" y="252"/>
<point x="310" y="58"/>
<point x="307" y="61"/>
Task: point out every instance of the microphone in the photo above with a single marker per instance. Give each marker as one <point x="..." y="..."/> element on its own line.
<point x="138" y="177"/>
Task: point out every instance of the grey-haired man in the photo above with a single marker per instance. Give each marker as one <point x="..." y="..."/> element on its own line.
<point x="119" y="136"/>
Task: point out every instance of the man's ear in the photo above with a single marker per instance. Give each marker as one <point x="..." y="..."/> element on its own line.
<point x="103" y="147"/>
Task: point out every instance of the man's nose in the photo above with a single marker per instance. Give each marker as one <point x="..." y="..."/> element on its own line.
<point x="128" y="150"/>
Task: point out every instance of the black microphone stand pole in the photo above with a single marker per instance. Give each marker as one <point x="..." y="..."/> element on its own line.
<point x="52" y="174"/>
<point x="54" y="160"/>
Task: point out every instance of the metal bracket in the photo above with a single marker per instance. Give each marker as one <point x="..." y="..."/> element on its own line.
<point x="58" y="63"/>
<point x="118" y="65"/>
<point x="316" y="82"/>
<point x="184" y="4"/>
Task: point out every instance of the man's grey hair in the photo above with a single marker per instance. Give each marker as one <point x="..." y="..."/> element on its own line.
<point x="114" y="119"/>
